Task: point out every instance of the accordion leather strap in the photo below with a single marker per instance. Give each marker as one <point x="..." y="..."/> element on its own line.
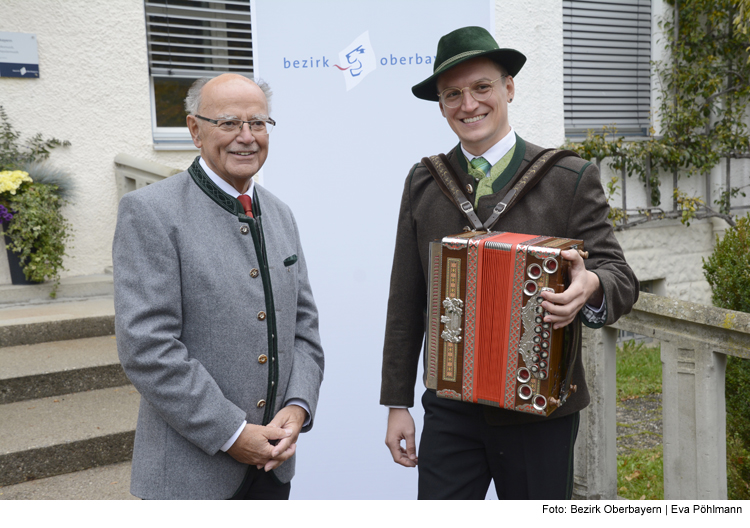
<point x="531" y="175"/>
<point x="446" y="178"/>
<point x="572" y="344"/>
<point x="449" y="183"/>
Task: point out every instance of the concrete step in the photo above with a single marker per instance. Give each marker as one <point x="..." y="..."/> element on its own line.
<point x="71" y="288"/>
<point x="100" y="483"/>
<point x="56" y="321"/>
<point x="60" y="367"/>
<point x="63" y="434"/>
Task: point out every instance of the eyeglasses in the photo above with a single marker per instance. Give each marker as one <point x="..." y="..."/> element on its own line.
<point x="257" y="126"/>
<point x="480" y="91"/>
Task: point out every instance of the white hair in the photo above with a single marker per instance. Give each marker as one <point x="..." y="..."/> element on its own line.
<point x="193" y="99"/>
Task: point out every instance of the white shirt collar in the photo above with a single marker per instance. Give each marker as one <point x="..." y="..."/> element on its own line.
<point x="222" y="184"/>
<point x="496" y="152"/>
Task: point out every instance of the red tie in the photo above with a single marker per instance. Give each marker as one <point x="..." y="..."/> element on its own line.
<point x="247" y="203"/>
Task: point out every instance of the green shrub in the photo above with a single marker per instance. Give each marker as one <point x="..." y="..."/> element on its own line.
<point x="727" y="270"/>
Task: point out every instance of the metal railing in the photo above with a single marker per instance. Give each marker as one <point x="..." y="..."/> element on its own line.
<point x="695" y="340"/>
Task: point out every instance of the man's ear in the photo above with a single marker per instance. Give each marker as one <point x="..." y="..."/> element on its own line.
<point x="442" y="110"/>
<point x="192" y="124"/>
<point x="510" y="87"/>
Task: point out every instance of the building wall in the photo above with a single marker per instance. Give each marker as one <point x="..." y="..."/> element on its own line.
<point x="93" y="90"/>
<point x="535" y="29"/>
<point x="668" y="251"/>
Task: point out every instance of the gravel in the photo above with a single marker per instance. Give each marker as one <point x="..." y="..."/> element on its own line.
<point x="639" y="423"/>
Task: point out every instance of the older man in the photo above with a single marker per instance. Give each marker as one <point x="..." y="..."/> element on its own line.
<point x="215" y="320"/>
<point x="465" y="446"/>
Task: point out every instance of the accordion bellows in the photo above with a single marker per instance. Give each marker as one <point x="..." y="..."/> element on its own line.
<point x="487" y="342"/>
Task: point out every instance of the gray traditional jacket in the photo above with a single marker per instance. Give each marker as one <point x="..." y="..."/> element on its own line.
<point x="215" y="324"/>
<point x="568" y="202"/>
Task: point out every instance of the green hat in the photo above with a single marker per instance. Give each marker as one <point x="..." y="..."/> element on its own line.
<point x="462" y="45"/>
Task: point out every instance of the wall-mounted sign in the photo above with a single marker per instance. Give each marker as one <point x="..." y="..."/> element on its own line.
<point x="18" y="55"/>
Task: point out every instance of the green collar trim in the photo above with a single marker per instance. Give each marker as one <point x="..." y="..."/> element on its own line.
<point x="228" y="203"/>
<point x="510" y="171"/>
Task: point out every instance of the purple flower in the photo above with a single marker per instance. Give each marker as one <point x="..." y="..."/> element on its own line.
<point x="5" y="215"/>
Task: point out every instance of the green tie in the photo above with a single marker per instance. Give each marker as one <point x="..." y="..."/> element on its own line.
<point x="481" y="164"/>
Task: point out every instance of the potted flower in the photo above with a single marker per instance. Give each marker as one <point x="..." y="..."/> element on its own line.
<point x="31" y="198"/>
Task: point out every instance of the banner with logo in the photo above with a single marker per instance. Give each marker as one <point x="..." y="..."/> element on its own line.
<point x="348" y="132"/>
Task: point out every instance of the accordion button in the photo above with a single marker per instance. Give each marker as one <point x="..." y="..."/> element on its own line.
<point x="261" y="404"/>
<point x="254" y="273"/>
<point x="262" y="359"/>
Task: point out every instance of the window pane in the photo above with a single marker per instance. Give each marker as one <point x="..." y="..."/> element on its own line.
<point x="169" y="98"/>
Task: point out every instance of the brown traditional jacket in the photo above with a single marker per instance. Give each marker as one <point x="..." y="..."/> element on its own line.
<point x="568" y="202"/>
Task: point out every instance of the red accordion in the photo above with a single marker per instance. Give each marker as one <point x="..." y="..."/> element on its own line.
<point x="486" y="339"/>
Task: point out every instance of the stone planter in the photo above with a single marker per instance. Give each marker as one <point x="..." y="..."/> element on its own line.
<point x="13" y="273"/>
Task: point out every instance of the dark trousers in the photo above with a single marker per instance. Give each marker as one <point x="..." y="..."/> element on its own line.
<point x="460" y="453"/>
<point x="259" y="485"/>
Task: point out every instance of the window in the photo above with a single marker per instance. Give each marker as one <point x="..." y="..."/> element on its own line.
<point x="607" y="53"/>
<point x="187" y="40"/>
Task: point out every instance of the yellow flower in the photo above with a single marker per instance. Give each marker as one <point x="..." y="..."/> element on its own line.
<point x="10" y="181"/>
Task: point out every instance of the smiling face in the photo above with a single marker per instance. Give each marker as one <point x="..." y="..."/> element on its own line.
<point x="237" y="156"/>
<point x="478" y="124"/>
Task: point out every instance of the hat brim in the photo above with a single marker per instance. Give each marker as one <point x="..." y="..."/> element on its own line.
<point x="510" y="59"/>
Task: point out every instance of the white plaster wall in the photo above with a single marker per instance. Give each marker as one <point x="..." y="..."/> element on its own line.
<point x="93" y="90"/>
<point x="669" y="250"/>
<point x="536" y="30"/>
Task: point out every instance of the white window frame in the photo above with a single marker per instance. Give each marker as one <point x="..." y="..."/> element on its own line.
<point x="607" y="63"/>
<point x="190" y="66"/>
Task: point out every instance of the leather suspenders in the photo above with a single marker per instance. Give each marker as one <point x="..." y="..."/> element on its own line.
<point x="448" y="181"/>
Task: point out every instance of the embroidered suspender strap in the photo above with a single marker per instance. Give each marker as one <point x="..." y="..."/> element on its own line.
<point x="531" y="175"/>
<point x="447" y="181"/>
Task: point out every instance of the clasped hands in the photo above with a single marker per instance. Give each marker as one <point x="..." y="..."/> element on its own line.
<point x="255" y="445"/>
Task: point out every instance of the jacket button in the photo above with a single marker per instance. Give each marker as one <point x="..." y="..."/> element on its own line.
<point x="261" y="404"/>
<point x="254" y="273"/>
<point x="244" y="230"/>
<point x="262" y="359"/>
<point x="261" y="316"/>
<point x="469" y="188"/>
